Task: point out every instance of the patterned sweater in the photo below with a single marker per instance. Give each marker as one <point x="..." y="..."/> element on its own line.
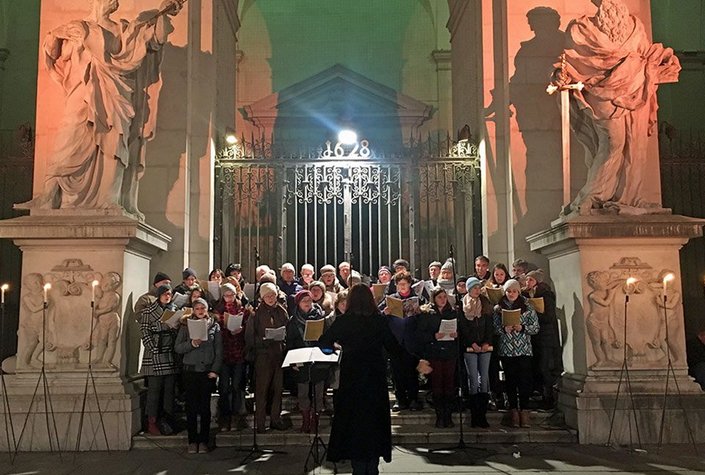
<point x="516" y="343"/>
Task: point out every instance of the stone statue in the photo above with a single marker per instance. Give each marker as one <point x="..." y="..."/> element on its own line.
<point x="109" y="72"/>
<point x="29" y="333"/>
<point x="612" y="116"/>
<point x="601" y="333"/>
<point x="107" y="314"/>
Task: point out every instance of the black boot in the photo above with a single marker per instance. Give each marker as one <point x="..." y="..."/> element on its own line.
<point x="439" y="406"/>
<point x="448" y="413"/>
<point x="474" y="421"/>
<point x="483" y="400"/>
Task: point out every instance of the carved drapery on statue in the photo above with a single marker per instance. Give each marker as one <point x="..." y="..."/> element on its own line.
<point x="614" y="114"/>
<point x="646" y="332"/>
<point x="111" y="81"/>
<point x="68" y="317"/>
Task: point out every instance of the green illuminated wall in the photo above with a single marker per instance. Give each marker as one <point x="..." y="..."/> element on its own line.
<point x="19" y="32"/>
<point x="680" y="24"/>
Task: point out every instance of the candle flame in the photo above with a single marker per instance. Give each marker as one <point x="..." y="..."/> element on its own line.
<point x="631" y="281"/>
<point x="5" y="287"/>
<point x="95" y="283"/>
<point x="669" y="277"/>
<point x="47" y="286"/>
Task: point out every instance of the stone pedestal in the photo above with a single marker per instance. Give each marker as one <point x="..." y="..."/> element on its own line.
<point x="591" y="258"/>
<point x="71" y="250"/>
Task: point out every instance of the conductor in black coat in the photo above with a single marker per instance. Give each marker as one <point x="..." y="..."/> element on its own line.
<point x="361" y="430"/>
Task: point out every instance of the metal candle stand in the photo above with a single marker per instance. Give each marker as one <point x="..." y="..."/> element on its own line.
<point x="7" y="413"/>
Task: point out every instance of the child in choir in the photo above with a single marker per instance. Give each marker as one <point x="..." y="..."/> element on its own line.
<point x="476" y="328"/>
<point x="460" y="289"/>
<point x="158" y="363"/>
<point x="304" y="311"/>
<point x="216" y="275"/>
<point x="441" y="350"/>
<point x="231" y="400"/>
<point x="406" y="383"/>
<point x="500" y="274"/>
<point x="202" y="361"/>
<point x="515" y="351"/>
<point x="268" y="356"/>
<point x="548" y="358"/>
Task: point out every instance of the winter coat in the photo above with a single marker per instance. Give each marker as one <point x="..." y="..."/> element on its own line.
<point x="362" y="424"/>
<point x="403" y="329"/>
<point x="478" y="330"/>
<point x="233" y="345"/>
<point x="428" y="324"/>
<point x="516" y="343"/>
<point x="548" y="335"/>
<point x="208" y="356"/>
<point x="265" y="317"/>
<point x="290" y="290"/>
<point x="158" y="340"/>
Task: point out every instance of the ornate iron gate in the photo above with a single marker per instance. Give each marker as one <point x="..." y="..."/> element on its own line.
<point x="339" y="204"/>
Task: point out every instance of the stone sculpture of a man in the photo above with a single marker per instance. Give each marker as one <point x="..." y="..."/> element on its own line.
<point x="613" y="116"/>
<point x="109" y="72"/>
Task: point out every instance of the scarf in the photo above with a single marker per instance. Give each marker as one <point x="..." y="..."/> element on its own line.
<point x="472" y="307"/>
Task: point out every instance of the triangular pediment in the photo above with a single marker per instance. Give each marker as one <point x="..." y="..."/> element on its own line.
<point x="338" y="93"/>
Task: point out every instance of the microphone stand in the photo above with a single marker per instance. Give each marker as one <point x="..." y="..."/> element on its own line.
<point x="318" y="448"/>
<point x="7" y="413"/>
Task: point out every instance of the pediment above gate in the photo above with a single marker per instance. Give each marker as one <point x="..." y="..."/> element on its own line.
<point x="340" y="95"/>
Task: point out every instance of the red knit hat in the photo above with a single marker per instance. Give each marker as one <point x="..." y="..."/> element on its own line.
<point x="300" y="295"/>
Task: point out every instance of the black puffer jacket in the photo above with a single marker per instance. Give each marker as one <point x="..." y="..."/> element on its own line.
<point x="428" y="324"/>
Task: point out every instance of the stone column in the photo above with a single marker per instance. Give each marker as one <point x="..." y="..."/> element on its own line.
<point x="591" y="259"/>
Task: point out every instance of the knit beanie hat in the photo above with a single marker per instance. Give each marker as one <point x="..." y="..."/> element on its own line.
<point x="228" y="287"/>
<point x="302" y="294"/>
<point x="537" y="275"/>
<point x="288" y="266"/>
<point x="512" y="284"/>
<point x="401" y="262"/>
<point x="199" y="301"/>
<point x="327" y="269"/>
<point x="268" y="278"/>
<point x="447" y="265"/>
<point x="472" y="282"/>
<point x="319" y="284"/>
<point x="160" y="276"/>
<point x="384" y="269"/>
<point x="162" y="289"/>
<point x="188" y="272"/>
<point x="435" y="264"/>
<point x="267" y="288"/>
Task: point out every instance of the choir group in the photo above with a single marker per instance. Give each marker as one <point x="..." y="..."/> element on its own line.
<point x="491" y="338"/>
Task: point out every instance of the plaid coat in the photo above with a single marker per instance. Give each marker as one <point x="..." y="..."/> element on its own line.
<point x="158" y="340"/>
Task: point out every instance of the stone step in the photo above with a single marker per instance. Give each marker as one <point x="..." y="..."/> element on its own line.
<point x="407" y="428"/>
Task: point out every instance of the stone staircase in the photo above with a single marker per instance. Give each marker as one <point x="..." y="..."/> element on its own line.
<point x="407" y="428"/>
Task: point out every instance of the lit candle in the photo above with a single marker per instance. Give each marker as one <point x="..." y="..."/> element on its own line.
<point x="3" y="289"/>
<point x="47" y="286"/>
<point x="630" y="284"/>
<point x="666" y="279"/>
<point x="93" y="286"/>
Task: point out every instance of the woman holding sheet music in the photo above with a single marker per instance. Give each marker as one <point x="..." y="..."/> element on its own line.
<point x="402" y="323"/>
<point x="231" y="376"/>
<point x="200" y="343"/>
<point x="361" y="430"/>
<point x="440" y="348"/>
<point x="515" y="348"/>
<point x="158" y="363"/>
<point x="297" y="337"/>
<point x="476" y="328"/>
<point x="264" y="344"/>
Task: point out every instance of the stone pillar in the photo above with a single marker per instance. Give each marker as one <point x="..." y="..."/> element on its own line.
<point x="590" y="260"/>
<point x="442" y="59"/>
<point x="70" y="251"/>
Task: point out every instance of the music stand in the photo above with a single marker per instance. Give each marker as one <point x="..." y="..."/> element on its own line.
<point x="7" y="413"/>
<point x="624" y="376"/>
<point x="90" y="376"/>
<point x="42" y="379"/>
